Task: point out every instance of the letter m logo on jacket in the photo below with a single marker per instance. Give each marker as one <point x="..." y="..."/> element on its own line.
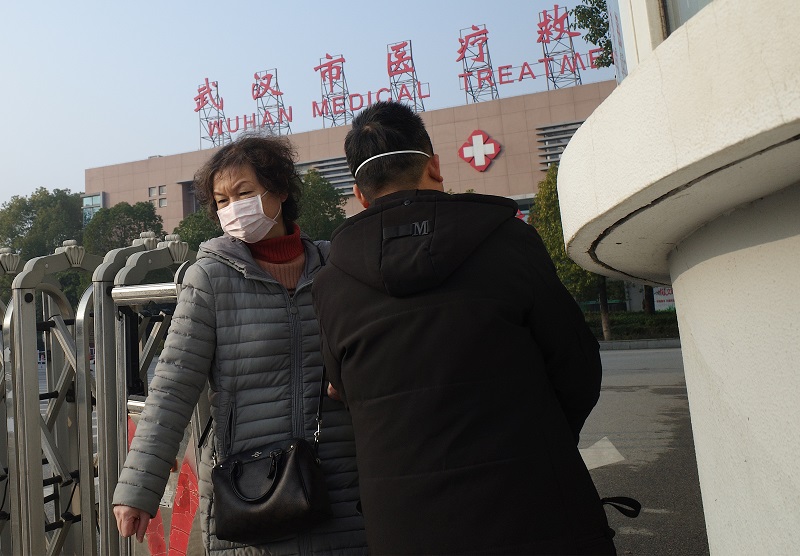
<point x="421" y="228"/>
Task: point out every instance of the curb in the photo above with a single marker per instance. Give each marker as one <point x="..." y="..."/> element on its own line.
<point x="641" y="344"/>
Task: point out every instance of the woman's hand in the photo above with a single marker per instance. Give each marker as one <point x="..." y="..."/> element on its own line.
<point x="131" y="521"/>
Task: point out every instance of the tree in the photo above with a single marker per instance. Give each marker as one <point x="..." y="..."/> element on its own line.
<point x="321" y="207"/>
<point x="649" y="301"/>
<point x="35" y="226"/>
<point x="197" y="228"/>
<point x="118" y="226"/>
<point x="545" y="216"/>
<point x="592" y="15"/>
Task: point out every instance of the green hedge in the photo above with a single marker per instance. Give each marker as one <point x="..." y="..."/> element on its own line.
<point x="635" y="325"/>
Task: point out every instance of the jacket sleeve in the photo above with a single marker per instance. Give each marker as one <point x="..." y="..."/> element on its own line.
<point x="324" y="247"/>
<point x="333" y="367"/>
<point x="570" y="351"/>
<point x="180" y="376"/>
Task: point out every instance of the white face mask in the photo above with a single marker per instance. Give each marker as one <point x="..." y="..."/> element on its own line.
<point x="245" y="219"/>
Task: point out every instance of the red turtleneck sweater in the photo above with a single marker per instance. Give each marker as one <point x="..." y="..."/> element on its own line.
<point x="282" y="257"/>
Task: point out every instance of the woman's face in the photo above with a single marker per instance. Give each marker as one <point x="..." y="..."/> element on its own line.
<point x="235" y="184"/>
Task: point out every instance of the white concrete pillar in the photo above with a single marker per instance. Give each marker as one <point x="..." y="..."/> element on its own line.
<point x="736" y="290"/>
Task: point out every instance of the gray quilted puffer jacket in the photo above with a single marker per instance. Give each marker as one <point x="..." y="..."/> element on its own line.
<point x="258" y="347"/>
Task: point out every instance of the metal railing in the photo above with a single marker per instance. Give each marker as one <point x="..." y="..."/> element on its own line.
<point x="58" y="473"/>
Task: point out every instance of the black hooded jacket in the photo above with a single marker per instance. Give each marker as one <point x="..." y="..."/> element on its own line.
<point x="469" y="371"/>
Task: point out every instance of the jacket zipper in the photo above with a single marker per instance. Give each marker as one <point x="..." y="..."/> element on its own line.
<point x="298" y="405"/>
<point x="298" y="430"/>
<point x="295" y="358"/>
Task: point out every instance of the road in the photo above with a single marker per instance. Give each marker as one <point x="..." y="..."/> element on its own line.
<point x="644" y="413"/>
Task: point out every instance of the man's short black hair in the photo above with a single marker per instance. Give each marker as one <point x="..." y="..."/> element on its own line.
<point x="384" y="127"/>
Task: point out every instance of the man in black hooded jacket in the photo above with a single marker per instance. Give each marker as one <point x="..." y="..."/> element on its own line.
<point x="466" y="365"/>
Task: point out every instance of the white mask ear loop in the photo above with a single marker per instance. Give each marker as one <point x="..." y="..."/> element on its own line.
<point x="280" y="209"/>
<point x="387" y="154"/>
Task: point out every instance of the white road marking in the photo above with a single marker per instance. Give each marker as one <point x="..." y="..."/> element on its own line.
<point x="600" y="453"/>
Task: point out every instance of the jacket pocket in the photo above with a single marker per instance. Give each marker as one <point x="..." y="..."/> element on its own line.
<point x="230" y="428"/>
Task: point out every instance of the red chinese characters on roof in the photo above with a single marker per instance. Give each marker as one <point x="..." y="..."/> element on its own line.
<point x="206" y="95"/>
<point x="477" y="39"/>
<point x="552" y="24"/>
<point x="331" y="70"/>
<point x="399" y="61"/>
<point x="263" y="85"/>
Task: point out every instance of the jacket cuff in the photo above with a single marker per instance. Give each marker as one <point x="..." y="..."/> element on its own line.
<point x="136" y="497"/>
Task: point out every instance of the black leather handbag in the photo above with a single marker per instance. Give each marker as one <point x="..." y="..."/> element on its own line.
<point x="272" y="492"/>
<point x="269" y="493"/>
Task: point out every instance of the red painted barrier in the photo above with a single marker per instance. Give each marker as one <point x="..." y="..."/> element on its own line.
<point x="187" y="500"/>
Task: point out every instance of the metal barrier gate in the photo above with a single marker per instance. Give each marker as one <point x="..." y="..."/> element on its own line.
<point x="9" y="262"/>
<point x="59" y="475"/>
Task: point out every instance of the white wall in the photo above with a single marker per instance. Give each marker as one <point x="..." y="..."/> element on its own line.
<point x="703" y="124"/>
<point x="641" y="27"/>
<point x="736" y="288"/>
<point x="687" y="174"/>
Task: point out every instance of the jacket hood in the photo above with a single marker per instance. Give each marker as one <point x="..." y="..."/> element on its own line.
<point x="413" y="240"/>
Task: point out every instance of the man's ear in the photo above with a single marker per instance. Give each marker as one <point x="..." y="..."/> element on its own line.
<point x="433" y="169"/>
<point x="360" y="196"/>
<point x="432" y="177"/>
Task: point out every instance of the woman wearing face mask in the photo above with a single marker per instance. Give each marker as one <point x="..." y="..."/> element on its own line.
<point x="244" y="322"/>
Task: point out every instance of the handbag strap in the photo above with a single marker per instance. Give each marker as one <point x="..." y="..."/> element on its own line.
<point x="627" y="506"/>
<point x="322" y="386"/>
<point x="204" y="434"/>
<point x="322" y="389"/>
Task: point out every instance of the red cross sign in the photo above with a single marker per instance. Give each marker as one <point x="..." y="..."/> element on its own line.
<point x="479" y="150"/>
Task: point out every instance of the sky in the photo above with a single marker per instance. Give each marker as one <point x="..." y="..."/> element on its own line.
<point x="93" y="83"/>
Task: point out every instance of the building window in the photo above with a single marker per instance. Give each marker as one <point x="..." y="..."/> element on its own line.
<point x="162" y="202"/>
<point x="678" y="12"/>
<point x="91" y="204"/>
<point x="335" y="170"/>
<point x="153" y="202"/>
<point x="162" y="189"/>
<point x="151" y="191"/>
<point x="553" y="140"/>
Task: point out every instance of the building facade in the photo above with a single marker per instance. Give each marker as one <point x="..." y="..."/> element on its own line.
<point x="529" y="131"/>
<point x="688" y="175"/>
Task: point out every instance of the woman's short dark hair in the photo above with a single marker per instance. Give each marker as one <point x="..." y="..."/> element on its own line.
<point x="272" y="158"/>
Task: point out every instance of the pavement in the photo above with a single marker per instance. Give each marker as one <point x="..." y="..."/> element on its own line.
<point x="657" y="343"/>
<point x="638" y="442"/>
